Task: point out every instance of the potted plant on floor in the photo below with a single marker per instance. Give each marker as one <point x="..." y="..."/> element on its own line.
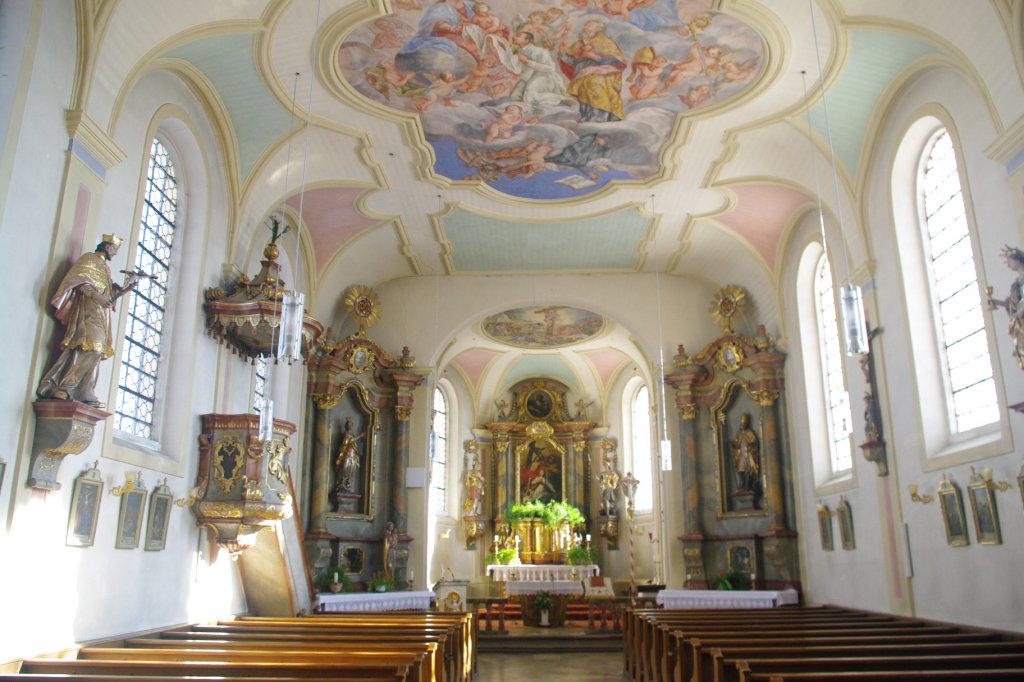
<point x="544" y="603"/>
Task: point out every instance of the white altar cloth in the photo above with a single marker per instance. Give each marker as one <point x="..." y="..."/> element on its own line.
<point x="514" y="589"/>
<point x="375" y="601"/>
<point x="726" y="599"/>
<point x="533" y="572"/>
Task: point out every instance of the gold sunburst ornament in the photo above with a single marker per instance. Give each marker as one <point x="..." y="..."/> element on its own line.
<point x="363" y="306"/>
<point x="727" y="304"/>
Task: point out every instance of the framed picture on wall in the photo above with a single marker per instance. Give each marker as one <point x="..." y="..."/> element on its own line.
<point x="129" y="521"/>
<point x="158" y="518"/>
<point x="825" y="527"/>
<point x="952" y="507"/>
<point x="85" y="508"/>
<point x="983" y="508"/>
<point x="845" y="515"/>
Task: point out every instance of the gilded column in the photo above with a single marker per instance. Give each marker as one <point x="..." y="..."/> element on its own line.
<point x="691" y="484"/>
<point x="320" y="490"/>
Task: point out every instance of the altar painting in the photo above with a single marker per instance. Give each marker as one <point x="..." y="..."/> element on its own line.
<point x="543" y="327"/>
<point x="541" y="472"/>
<point x="550" y="99"/>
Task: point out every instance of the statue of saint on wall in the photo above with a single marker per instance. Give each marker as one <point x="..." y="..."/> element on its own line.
<point x="346" y="466"/>
<point x="84" y="302"/>
<point x="746" y="456"/>
<point x="1014" y="302"/>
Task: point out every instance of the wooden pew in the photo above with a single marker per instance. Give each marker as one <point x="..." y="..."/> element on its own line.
<point x="641" y="634"/>
<point x="742" y="670"/>
<point x="717" y="659"/>
<point x="341" y="641"/>
<point x="399" y="676"/>
<point x="957" y="675"/>
<point x="462" y="624"/>
<point x="653" y="658"/>
<point x="351" y="644"/>
<point x="454" y="656"/>
<point x="367" y="670"/>
<point x="689" y="665"/>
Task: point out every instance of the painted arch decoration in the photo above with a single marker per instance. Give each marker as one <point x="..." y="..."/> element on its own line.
<point x="550" y="99"/>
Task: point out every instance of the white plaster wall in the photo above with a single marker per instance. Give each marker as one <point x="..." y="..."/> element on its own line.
<point x="973" y="584"/>
<point x="105" y="591"/>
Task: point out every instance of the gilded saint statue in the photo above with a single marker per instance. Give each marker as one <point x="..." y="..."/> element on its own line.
<point x="1014" y="302"/>
<point x="389" y="548"/>
<point x="84" y="302"/>
<point x="746" y="456"/>
<point x="346" y="466"/>
<point x="474" y="481"/>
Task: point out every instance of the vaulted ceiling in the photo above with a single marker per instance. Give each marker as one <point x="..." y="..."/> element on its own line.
<point x="525" y="137"/>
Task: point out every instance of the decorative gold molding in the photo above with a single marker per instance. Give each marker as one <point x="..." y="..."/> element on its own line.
<point x="326" y="401"/>
<point x="765" y="397"/>
<point x="688" y="412"/>
<point x="402" y="412"/>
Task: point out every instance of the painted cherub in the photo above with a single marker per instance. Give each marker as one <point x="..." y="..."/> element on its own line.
<point x="706" y="61"/>
<point x="489" y="23"/>
<point x="647" y="69"/>
<point x="385" y="34"/>
<point x="440" y="90"/>
<point x="503" y="127"/>
<point x="479" y="74"/>
<point x="386" y="75"/>
<point x="696" y="95"/>
<point x="534" y="163"/>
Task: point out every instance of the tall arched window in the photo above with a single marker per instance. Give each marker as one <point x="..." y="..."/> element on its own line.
<point x="956" y="298"/>
<point x="140" y="356"/>
<point x="640" y="448"/>
<point x="439" y="454"/>
<point x="830" y="347"/>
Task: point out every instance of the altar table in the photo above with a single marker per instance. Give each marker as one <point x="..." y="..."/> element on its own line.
<point x="533" y="572"/>
<point x="726" y="599"/>
<point x="374" y="601"/>
<point x="521" y="587"/>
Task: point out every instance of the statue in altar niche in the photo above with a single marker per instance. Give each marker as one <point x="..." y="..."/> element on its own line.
<point x="746" y="456"/>
<point x="390" y="548"/>
<point x="346" y="466"/>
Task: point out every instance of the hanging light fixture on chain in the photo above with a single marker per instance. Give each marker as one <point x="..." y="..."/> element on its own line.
<point x="851" y="298"/>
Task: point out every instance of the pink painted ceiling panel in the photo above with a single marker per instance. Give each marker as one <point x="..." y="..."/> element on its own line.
<point x="761" y="213"/>
<point x="330" y="215"/>
<point x="473" y="362"/>
<point x="607" y="361"/>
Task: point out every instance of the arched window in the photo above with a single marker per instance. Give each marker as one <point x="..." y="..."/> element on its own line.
<point x="956" y="298"/>
<point x="837" y="398"/>
<point x="640" y="448"/>
<point x="140" y="356"/>
<point x="439" y="454"/>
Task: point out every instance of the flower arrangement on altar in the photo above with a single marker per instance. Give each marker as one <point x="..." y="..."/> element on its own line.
<point x="731" y="580"/>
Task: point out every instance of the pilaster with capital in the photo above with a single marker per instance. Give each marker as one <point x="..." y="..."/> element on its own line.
<point x="320" y="494"/>
<point x="405" y="381"/>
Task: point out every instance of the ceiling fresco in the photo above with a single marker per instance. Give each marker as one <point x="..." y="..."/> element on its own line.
<point x="551" y="99"/>
<point x="543" y="326"/>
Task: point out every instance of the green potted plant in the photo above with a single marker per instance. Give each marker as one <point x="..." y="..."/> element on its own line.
<point x="502" y="556"/>
<point x="731" y="580"/>
<point x="381" y="582"/>
<point x="335" y="580"/>
<point x="544" y="603"/>
<point x="581" y="555"/>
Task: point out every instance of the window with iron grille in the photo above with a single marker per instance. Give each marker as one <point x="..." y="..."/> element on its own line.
<point x="956" y="297"/>
<point x="140" y="356"/>
<point x="838" y="417"/>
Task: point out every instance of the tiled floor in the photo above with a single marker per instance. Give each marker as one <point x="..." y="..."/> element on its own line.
<point x="584" y="667"/>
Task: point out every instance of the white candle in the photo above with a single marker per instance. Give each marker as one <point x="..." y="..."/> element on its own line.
<point x="495" y="537"/>
<point x="588" y="537"/>
<point x="336" y="577"/>
<point x="412" y="575"/>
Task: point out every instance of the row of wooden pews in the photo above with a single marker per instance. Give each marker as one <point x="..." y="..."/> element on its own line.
<point x="398" y="647"/>
<point x="810" y="643"/>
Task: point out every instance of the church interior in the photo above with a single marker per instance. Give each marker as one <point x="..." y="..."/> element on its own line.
<point x="339" y="296"/>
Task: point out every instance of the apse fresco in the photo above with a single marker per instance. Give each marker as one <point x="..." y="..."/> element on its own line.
<point x="543" y="327"/>
<point x="550" y="99"/>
